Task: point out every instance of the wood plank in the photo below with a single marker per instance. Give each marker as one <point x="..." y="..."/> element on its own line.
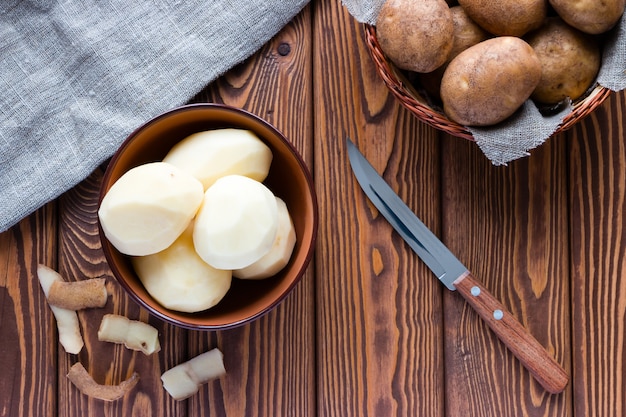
<point x="271" y="368"/>
<point x="81" y="257"/>
<point x="379" y="337"/>
<point x="598" y="234"/>
<point x="29" y="342"/>
<point x="266" y="375"/>
<point x="509" y="226"/>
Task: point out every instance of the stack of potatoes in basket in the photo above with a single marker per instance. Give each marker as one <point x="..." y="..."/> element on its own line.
<point x="485" y="58"/>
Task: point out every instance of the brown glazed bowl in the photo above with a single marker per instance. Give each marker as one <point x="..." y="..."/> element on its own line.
<point x="289" y="179"/>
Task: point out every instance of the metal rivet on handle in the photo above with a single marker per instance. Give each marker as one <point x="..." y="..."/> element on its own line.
<point x="475" y="291"/>
<point x="498" y="314"/>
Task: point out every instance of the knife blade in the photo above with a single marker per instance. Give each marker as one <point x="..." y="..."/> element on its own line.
<point x="455" y="276"/>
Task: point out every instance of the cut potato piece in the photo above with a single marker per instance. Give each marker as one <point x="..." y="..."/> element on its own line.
<point x="67" y="320"/>
<point x="216" y="153"/>
<point x="149" y="207"/>
<point x="184" y="380"/>
<point x="135" y="335"/>
<point x="85" y="383"/>
<point x="236" y="224"/>
<point x="280" y="253"/>
<point x="179" y="279"/>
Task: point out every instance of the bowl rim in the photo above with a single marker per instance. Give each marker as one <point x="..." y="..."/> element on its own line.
<point x="107" y="246"/>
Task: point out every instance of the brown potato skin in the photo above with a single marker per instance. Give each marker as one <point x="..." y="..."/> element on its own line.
<point x="489" y="81"/>
<point x="570" y="61"/>
<point x="590" y="16"/>
<point x="466" y="33"/>
<point x="506" y="17"/>
<point x="415" y="35"/>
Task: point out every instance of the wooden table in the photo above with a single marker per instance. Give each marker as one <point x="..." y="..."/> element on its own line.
<point x="368" y="331"/>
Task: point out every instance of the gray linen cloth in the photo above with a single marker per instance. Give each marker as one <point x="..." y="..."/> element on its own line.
<point x="76" y="77"/>
<point x="527" y="129"/>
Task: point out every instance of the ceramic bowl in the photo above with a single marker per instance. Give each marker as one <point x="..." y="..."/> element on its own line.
<point x="289" y="179"/>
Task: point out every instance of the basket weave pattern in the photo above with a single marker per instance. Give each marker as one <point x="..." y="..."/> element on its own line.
<point x="415" y="103"/>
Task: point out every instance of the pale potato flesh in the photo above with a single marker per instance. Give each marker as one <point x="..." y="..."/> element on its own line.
<point x="279" y="254"/>
<point x="236" y="224"/>
<point x="213" y="154"/>
<point x="149" y="207"/>
<point x="134" y="334"/>
<point x="179" y="279"/>
<point x="184" y="380"/>
<point x="67" y="320"/>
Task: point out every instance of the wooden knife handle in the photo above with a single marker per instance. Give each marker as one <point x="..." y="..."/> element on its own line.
<point x="520" y="342"/>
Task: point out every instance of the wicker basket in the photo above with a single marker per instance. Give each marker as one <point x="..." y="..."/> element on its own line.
<point x="419" y="105"/>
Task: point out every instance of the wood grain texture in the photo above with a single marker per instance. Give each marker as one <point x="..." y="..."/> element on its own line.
<point x="379" y="337"/>
<point x="270" y="363"/>
<point x="28" y="337"/>
<point x="368" y="331"/>
<point x="530" y="353"/>
<point x="81" y="257"/>
<point x="598" y="254"/>
<point x="267" y="369"/>
<point x="509" y="226"/>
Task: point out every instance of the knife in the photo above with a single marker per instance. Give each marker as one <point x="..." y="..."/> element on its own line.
<point x="456" y="277"/>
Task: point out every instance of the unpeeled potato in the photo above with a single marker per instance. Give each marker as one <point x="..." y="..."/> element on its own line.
<point x="570" y="61"/>
<point x="489" y="81"/>
<point x="415" y="35"/>
<point x="506" y="17"/>
<point x="593" y="17"/>
<point x="466" y="33"/>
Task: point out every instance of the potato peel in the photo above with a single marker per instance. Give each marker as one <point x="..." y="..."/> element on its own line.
<point x="185" y="379"/>
<point x="78" y="295"/>
<point x="134" y="334"/>
<point x="66" y="320"/>
<point x="85" y="383"/>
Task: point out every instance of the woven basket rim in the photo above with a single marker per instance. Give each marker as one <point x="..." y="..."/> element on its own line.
<point x="412" y="100"/>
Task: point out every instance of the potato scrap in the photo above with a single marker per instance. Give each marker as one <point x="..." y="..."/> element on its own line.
<point x="67" y="320"/>
<point x="78" y="295"/>
<point x="85" y="383"/>
<point x="135" y="335"/>
<point x="184" y="380"/>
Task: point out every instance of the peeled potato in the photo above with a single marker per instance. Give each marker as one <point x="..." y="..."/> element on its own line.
<point x="236" y="224"/>
<point x="149" y="207"/>
<point x="280" y="253"/>
<point x="216" y="153"/>
<point x="179" y="279"/>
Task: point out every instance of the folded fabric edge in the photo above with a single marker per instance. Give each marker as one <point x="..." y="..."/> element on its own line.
<point x="18" y="211"/>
